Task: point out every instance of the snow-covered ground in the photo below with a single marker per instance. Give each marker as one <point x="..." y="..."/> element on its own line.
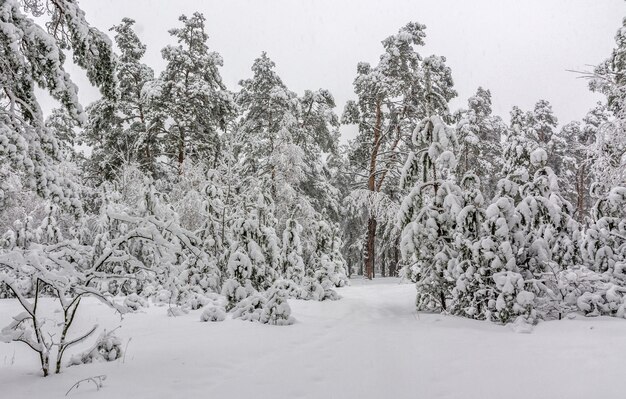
<point x="370" y="344"/>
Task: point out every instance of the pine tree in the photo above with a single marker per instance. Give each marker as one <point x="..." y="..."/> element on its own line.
<point x="472" y="293"/>
<point x="281" y="139"/>
<point x="604" y="242"/>
<point x="276" y="309"/>
<point x="428" y="215"/>
<point x="392" y="95"/>
<point x="545" y="219"/>
<point x="293" y="264"/>
<point x="480" y="135"/>
<point x="64" y="127"/>
<point x="32" y="57"/>
<point x="609" y="151"/>
<point x="517" y="149"/>
<point x="119" y="129"/>
<point x="191" y="93"/>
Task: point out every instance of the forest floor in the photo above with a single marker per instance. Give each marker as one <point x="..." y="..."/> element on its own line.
<point x="370" y="344"/>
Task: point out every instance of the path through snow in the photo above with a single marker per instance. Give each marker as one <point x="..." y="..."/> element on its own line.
<point x="370" y="344"/>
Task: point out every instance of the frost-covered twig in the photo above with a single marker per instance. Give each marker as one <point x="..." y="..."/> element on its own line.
<point x="98" y="380"/>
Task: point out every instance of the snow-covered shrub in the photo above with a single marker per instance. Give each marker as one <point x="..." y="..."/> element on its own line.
<point x="197" y="301"/>
<point x="604" y="241"/>
<point x="135" y="302"/>
<point x="592" y="293"/>
<point x="513" y="300"/>
<point x="235" y="292"/>
<point x="293" y="264"/>
<point x="250" y="308"/>
<point x="276" y="309"/>
<point x="108" y="348"/>
<point x="252" y="252"/>
<point x="213" y="313"/>
<point x="328" y="266"/>
<point x="311" y="289"/>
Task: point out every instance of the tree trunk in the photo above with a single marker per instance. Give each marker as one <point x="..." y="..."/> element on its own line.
<point x="580" y="189"/>
<point x="181" y="153"/>
<point x="393" y="267"/>
<point x="371" y="241"/>
<point x="371" y="186"/>
<point x="361" y="272"/>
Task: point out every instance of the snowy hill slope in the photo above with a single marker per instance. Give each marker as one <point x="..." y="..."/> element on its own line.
<point x="370" y="344"/>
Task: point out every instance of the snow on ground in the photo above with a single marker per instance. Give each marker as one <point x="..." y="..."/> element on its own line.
<point x="370" y="344"/>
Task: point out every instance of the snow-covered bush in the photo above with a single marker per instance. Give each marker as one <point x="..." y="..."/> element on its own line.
<point x="135" y="302"/>
<point x="513" y="300"/>
<point x="311" y="289"/>
<point x="250" y="308"/>
<point x="293" y="264"/>
<point x="213" y="313"/>
<point x="108" y="348"/>
<point x="276" y="309"/>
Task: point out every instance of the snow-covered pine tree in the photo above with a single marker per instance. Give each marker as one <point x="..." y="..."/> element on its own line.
<point x="190" y="94"/>
<point x="253" y="252"/>
<point x="604" y="242"/>
<point x="480" y="134"/>
<point x="499" y="244"/>
<point x="276" y="309"/>
<point x="472" y="294"/>
<point x="516" y="153"/>
<point x="293" y="264"/>
<point x="609" y="150"/>
<point x="318" y="137"/>
<point x="33" y="57"/>
<point x="327" y="262"/>
<point x="64" y="128"/>
<point x="341" y="266"/>
<point x="592" y="165"/>
<point x="550" y="232"/>
<point x="322" y="276"/>
<point x="428" y="214"/>
<point x="119" y="129"/>
<point x="269" y="112"/>
<point x="401" y="89"/>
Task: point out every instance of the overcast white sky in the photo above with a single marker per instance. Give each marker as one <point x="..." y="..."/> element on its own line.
<point x="520" y="50"/>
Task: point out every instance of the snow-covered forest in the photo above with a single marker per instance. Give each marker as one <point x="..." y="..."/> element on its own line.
<point x="174" y="209"/>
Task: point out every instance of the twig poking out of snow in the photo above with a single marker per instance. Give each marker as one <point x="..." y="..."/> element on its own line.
<point x="126" y="349"/>
<point x="98" y="380"/>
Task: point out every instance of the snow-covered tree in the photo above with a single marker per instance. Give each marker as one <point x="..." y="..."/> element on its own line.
<point x="293" y="264"/>
<point x="401" y="89"/>
<point x="428" y="214"/>
<point x="604" y="243"/>
<point x="479" y="135"/>
<point x="119" y="129"/>
<point x="33" y="57"/>
<point x="64" y="128"/>
<point x="276" y="309"/>
<point x="190" y="94"/>
<point x="550" y="232"/>
<point x="472" y="293"/>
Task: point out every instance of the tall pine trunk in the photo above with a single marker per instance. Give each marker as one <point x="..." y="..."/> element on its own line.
<point x="580" y="191"/>
<point x="371" y="242"/>
<point x="371" y="186"/>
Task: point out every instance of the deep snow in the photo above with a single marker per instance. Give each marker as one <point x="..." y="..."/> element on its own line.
<point x="370" y="344"/>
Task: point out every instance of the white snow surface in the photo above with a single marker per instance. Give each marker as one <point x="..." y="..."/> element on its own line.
<point x="370" y="344"/>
